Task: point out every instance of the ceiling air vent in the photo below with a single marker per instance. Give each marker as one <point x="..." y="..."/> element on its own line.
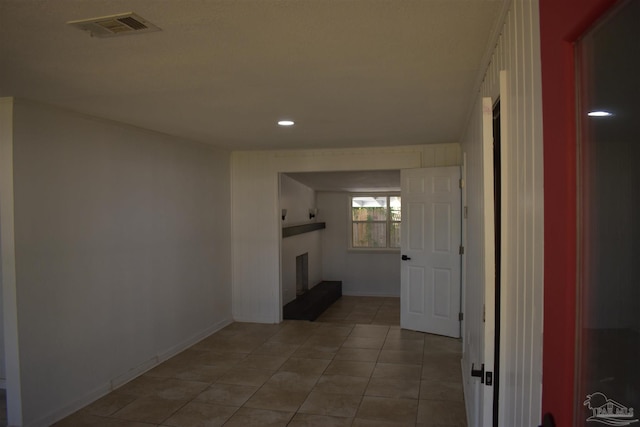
<point x="115" y="25"/>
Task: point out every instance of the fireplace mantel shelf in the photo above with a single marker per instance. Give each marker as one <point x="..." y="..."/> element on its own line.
<point x="294" y="230"/>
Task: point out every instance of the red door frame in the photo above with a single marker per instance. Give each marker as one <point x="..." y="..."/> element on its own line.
<point x="561" y="23"/>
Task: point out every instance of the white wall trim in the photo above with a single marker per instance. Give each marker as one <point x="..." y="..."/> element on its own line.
<point x="507" y="243"/>
<point x="8" y="252"/>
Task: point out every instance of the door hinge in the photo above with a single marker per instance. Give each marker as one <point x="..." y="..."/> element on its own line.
<point x="461" y="183"/>
<point x="461" y="250"/>
<point x="466" y="212"/>
<point x="460" y="317"/>
<point x="484" y="313"/>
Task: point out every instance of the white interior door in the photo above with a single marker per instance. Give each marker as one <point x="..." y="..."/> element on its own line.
<point x="430" y="244"/>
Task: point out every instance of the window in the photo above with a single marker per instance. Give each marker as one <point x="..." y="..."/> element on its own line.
<point x="375" y="222"/>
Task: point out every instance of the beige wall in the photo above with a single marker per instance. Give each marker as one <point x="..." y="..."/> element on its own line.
<point x="361" y="273"/>
<point x="122" y="253"/>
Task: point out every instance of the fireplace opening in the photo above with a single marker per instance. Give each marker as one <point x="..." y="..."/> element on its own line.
<point x="302" y="274"/>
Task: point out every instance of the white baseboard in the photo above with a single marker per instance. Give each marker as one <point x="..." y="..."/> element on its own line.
<point x="253" y="319"/>
<point x="169" y="353"/>
<point x="467" y="396"/>
<point x="166" y="354"/>
<point x="125" y="377"/>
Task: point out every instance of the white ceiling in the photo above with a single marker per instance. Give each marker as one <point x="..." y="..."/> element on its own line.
<point x="349" y="72"/>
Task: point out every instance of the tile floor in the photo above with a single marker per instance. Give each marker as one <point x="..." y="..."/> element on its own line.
<point x="354" y="366"/>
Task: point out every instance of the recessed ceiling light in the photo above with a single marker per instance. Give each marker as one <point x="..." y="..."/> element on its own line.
<point x="286" y="123"/>
<point x="599" y="114"/>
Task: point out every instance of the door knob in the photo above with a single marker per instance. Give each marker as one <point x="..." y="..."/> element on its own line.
<point x="405" y="258"/>
<point x="478" y="372"/>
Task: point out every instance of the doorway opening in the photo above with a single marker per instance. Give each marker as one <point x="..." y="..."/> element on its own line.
<point x="319" y="203"/>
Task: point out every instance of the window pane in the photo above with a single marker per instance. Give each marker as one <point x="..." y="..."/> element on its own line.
<point x="369" y="214"/>
<point x="394" y="238"/>
<point x="369" y="235"/>
<point x="394" y="203"/>
<point x="369" y="208"/>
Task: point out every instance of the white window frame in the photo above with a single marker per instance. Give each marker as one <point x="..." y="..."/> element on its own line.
<point x="388" y="222"/>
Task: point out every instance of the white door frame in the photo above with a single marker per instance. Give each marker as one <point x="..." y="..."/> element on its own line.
<point x="489" y="246"/>
<point x="463" y="258"/>
<point x="489" y="257"/>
